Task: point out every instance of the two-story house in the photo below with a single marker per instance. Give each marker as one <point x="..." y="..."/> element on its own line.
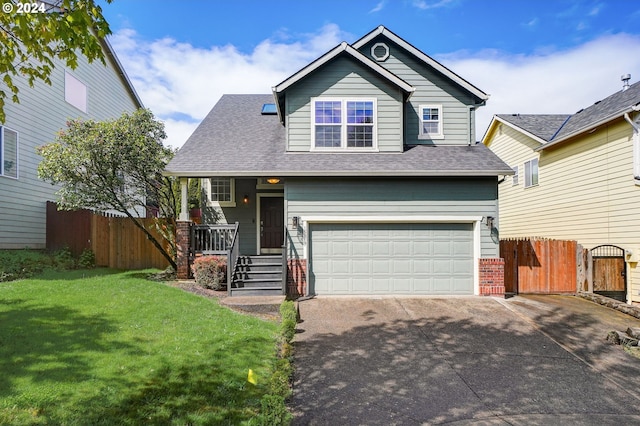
<point x="91" y="91"/>
<point x="577" y="177"/>
<point x="364" y="165"/>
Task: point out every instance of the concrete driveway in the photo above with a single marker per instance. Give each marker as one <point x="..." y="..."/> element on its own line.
<point x="526" y="360"/>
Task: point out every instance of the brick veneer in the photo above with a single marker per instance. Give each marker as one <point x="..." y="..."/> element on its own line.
<point x="296" y="277"/>
<point x="491" y="277"/>
<point x="182" y="250"/>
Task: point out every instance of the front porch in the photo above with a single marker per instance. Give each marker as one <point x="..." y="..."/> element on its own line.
<point x="247" y="275"/>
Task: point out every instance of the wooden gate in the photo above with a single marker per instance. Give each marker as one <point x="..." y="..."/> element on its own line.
<point x="609" y="272"/>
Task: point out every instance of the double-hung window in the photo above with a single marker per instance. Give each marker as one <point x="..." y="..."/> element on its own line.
<point x="531" y="173"/>
<point x="221" y="191"/>
<point x="8" y="152"/>
<point x="344" y="123"/>
<point x="430" y="122"/>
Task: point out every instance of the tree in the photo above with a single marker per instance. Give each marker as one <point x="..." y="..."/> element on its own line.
<point x="115" y="165"/>
<point x="33" y="34"/>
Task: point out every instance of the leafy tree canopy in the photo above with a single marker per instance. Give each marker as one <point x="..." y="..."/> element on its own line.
<point x="33" y="34"/>
<point x="113" y="165"/>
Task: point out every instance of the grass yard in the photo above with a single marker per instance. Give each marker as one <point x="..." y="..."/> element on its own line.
<point x="100" y="347"/>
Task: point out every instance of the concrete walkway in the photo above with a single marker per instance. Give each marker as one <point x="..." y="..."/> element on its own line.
<point x="526" y="360"/>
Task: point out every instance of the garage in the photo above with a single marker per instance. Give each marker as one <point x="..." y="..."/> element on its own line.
<point x="391" y="258"/>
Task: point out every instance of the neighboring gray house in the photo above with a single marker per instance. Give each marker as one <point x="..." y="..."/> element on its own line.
<point x="91" y="91"/>
<point x="364" y="164"/>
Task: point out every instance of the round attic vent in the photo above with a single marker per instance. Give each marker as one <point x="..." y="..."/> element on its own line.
<point x="380" y="52"/>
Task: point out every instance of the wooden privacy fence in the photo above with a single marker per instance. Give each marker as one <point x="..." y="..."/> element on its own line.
<point x="116" y="241"/>
<point x="533" y="265"/>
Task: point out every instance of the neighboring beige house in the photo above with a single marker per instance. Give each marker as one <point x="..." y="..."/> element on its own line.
<point x="577" y="177"/>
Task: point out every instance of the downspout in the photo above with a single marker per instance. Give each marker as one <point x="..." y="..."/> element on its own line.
<point x="636" y="145"/>
<point x="471" y="109"/>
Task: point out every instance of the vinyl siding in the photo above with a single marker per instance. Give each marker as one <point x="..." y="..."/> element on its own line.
<point x="586" y="191"/>
<point x="431" y="88"/>
<point x="389" y="197"/>
<point x="344" y="78"/>
<point x="41" y="113"/>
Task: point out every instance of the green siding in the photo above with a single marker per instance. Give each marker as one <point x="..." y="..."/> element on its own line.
<point x="41" y="113"/>
<point x="344" y="78"/>
<point x="431" y="88"/>
<point x="389" y="197"/>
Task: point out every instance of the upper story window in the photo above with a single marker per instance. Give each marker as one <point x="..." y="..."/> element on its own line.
<point x="531" y="173"/>
<point x="221" y="191"/>
<point x="344" y="123"/>
<point x="75" y="92"/>
<point x="430" y="122"/>
<point x="514" y="179"/>
<point x="8" y="152"/>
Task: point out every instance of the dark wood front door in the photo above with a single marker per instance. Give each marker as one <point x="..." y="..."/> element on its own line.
<point x="271" y="224"/>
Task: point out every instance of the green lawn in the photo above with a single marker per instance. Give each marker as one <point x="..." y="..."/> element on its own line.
<point x="112" y="348"/>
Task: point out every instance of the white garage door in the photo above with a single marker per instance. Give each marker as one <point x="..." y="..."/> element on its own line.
<point x="391" y="258"/>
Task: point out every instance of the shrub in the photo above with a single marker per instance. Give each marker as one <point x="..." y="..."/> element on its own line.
<point x="210" y="271"/>
<point x="87" y="259"/>
<point x="64" y="259"/>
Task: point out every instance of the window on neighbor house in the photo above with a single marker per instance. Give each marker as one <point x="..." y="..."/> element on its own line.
<point x="75" y="92"/>
<point x="222" y="191"/>
<point x="430" y="122"/>
<point x="514" y="179"/>
<point x="531" y="173"/>
<point x="8" y="152"/>
<point x="344" y="123"/>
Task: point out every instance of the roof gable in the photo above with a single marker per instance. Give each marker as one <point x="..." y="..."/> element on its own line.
<point x="340" y="50"/>
<point x="421" y="56"/>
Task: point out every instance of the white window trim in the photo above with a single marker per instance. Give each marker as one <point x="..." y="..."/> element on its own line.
<point x="422" y="134"/>
<point x="528" y="176"/>
<point x="2" y="155"/>
<point x="515" y="179"/>
<point x="232" y="189"/>
<point x="343" y="125"/>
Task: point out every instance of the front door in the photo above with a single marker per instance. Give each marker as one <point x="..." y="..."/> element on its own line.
<point x="271" y="224"/>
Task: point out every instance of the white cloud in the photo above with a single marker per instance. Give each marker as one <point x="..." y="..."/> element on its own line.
<point x="181" y="83"/>
<point x="174" y="78"/>
<point x="551" y="83"/>
<point x="378" y="7"/>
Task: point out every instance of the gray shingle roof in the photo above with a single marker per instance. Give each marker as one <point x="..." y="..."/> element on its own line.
<point x="543" y="126"/>
<point x="554" y="128"/>
<point x="610" y="107"/>
<point x="236" y="140"/>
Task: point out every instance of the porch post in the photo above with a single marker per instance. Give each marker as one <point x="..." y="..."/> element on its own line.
<point x="184" y="208"/>
<point x="183" y="241"/>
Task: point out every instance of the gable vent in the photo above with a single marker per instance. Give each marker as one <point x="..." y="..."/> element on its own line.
<point x="380" y="52"/>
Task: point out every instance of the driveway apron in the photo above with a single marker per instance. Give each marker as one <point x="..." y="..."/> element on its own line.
<point x="455" y="361"/>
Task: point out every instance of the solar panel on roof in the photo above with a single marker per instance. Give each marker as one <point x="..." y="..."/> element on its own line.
<point x="269" y="109"/>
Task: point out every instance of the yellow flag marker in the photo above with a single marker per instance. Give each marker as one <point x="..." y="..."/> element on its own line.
<point x="252" y="377"/>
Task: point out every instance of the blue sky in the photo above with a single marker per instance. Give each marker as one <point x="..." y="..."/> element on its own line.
<point x="532" y="56"/>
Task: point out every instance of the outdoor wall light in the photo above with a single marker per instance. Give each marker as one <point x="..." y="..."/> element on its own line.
<point x="295" y="221"/>
<point x="273" y="181"/>
<point x="490" y="220"/>
<point x="245" y="199"/>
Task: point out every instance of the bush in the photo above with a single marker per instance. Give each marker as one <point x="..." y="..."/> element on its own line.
<point x="64" y="259"/>
<point x="87" y="259"/>
<point x="210" y="271"/>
